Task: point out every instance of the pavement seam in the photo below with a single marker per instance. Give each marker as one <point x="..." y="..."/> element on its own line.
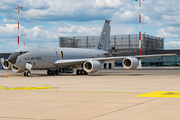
<point x="123" y="108"/>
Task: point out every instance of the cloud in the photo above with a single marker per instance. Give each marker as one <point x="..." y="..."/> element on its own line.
<point x="119" y="11"/>
<point x="8" y="30"/>
<point x="172" y="45"/>
<point x="163" y="32"/>
<point x="9" y="21"/>
<point x="172" y="20"/>
<point x="117" y="29"/>
<point x="58" y="10"/>
<point x="107" y="3"/>
<point x="38" y="35"/>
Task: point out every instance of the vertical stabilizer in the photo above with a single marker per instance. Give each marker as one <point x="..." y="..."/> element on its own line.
<point x="104" y="39"/>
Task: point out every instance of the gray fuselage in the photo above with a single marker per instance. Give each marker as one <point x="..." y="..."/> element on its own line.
<point x="44" y="57"/>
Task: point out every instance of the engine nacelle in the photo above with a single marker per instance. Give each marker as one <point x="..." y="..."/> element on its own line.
<point x="130" y="63"/>
<point x="16" y="69"/>
<point x="92" y="66"/>
<point x="6" y="65"/>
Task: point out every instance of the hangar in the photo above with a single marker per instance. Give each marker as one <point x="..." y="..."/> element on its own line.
<point x="128" y="42"/>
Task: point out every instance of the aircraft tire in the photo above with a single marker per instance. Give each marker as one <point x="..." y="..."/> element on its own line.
<point x="52" y="72"/>
<point x="86" y="73"/>
<point x="82" y="72"/>
<point x="48" y="72"/>
<point x="29" y="74"/>
<point x="25" y="73"/>
<point x="56" y="72"/>
<point x="78" y="72"/>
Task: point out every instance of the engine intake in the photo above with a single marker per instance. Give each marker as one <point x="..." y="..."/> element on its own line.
<point x="16" y="69"/>
<point x="130" y="63"/>
<point x="6" y="65"/>
<point x="92" y="66"/>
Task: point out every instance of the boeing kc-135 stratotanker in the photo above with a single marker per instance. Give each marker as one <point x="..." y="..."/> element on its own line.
<point x="57" y="59"/>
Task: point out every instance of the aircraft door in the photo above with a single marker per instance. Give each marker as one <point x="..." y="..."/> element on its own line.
<point x="61" y="54"/>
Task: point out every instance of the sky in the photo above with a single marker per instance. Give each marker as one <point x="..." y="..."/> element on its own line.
<point x="43" y="21"/>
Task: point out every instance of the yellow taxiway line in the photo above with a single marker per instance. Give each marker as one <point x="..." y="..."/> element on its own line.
<point x="165" y="94"/>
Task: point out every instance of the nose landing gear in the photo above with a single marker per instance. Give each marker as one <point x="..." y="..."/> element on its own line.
<point x="27" y="73"/>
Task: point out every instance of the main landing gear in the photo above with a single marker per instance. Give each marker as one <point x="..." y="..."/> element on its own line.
<point x="53" y="72"/>
<point x="81" y="72"/>
<point x="70" y="71"/>
<point x="27" y="73"/>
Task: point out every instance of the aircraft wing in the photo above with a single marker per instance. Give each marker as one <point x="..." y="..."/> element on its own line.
<point x="113" y="53"/>
<point x="69" y="62"/>
<point x="137" y="56"/>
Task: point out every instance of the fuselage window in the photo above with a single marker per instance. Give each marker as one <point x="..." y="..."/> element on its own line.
<point x="19" y="53"/>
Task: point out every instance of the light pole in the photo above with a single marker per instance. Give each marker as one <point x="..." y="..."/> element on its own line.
<point x="18" y="21"/>
<point x="140" y="65"/>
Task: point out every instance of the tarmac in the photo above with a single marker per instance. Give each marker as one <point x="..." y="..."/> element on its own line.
<point x="105" y="95"/>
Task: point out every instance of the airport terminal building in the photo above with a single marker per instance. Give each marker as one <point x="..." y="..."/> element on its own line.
<point x="150" y="45"/>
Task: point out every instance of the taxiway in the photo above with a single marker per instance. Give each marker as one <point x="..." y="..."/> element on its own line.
<point x="106" y="95"/>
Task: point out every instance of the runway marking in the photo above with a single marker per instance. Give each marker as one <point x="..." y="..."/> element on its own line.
<point x="101" y="92"/>
<point x="165" y="94"/>
<point x="15" y="76"/>
<point x="87" y="83"/>
<point x="68" y="84"/>
<point x="25" y="88"/>
<point x="104" y="81"/>
<point x="117" y="81"/>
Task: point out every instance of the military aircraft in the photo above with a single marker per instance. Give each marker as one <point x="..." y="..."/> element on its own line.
<point x="61" y="60"/>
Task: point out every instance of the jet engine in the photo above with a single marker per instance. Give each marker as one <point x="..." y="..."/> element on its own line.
<point x="92" y="66"/>
<point x="130" y="63"/>
<point x="6" y="65"/>
<point x="16" y="69"/>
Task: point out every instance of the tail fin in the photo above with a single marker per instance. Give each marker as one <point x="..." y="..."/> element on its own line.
<point x="104" y="39"/>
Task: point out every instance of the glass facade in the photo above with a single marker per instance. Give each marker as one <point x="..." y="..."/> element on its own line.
<point x="156" y="61"/>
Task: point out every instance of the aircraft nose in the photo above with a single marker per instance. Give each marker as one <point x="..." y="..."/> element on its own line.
<point x="12" y="58"/>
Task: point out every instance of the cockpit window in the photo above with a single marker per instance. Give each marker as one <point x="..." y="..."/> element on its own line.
<point x="19" y="53"/>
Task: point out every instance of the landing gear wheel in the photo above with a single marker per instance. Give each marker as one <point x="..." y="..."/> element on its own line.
<point x="25" y="73"/>
<point x="29" y="74"/>
<point x="82" y="72"/>
<point x="56" y="72"/>
<point x="78" y="72"/>
<point x="48" y="72"/>
<point x="86" y="73"/>
<point x="52" y="72"/>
